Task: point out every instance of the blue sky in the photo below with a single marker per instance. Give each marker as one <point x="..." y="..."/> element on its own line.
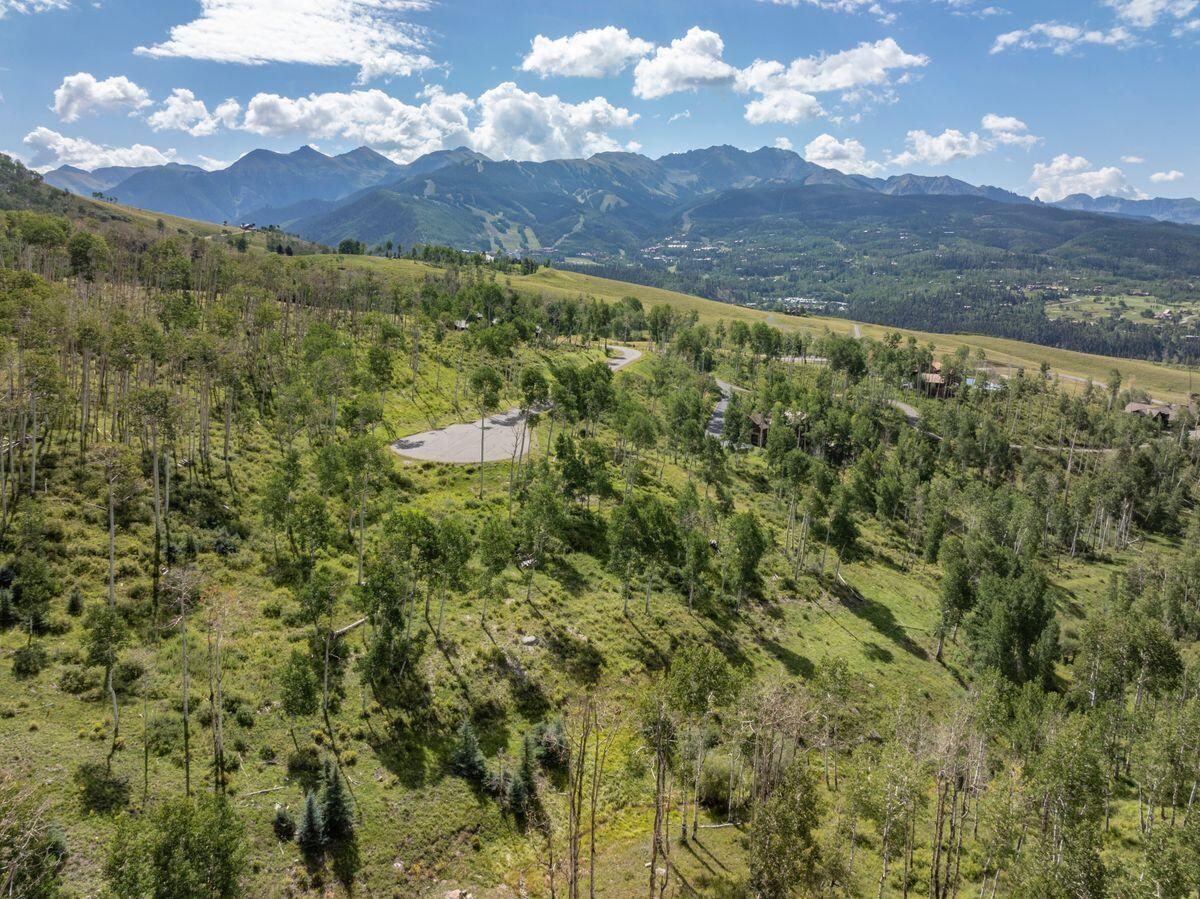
<point x="1050" y="97"/>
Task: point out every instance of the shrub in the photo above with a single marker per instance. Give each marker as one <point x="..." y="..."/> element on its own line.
<point x="284" y="824"/>
<point x="29" y="661"/>
<point x="272" y="608"/>
<point x="553" y="748"/>
<point x="76" y="680"/>
<point x="244" y="717"/>
<point x="303" y="763"/>
<point x="163" y="734"/>
<point x="184" y="847"/>
<point x="101" y="790"/>
<point x="75" y="603"/>
<point x="127" y="675"/>
<point x="267" y="753"/>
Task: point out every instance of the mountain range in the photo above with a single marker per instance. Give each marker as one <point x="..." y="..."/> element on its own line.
<point x="606" y="205"/>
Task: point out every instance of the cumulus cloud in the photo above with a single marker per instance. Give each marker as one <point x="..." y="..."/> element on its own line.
<point x="690" y="62"/>
<point x="847" y="155"/>
<point x="1167" y="177"/>
<point x="372" y="35"/>
<point x="183" y="111"/>
<point x="587" y="54"/>
<point x="1061" y="38"/>
<point x="923" y="148"/>
<point x="49" y="149"/>
<point x="787" y="93"/>
<point x="83" y="94"/>
<point x="782" y="143"/>
<point x="1008" y="131"/>
<point x="1066" y="175"/>
<point x="505" y="122"/>
<point x="524" y="125"/>
<point x="1147" y="13"/>
<point x="31" y="6"/>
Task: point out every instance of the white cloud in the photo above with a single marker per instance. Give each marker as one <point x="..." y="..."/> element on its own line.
<point x="787" y="92"/>
<point x="679" y="116"/>
<point x="847" y="155"/>
<point x="690" y="62"/>
<point x="1061" y="38"/>
<point x="1133" y="160"/>
<point x="523" y="125"/>
<point x="504" y="122"/>
<point x="31" y="6"/>
<point x="402" y="130"/>
<point x="782" y="143"/>
<point x="874" y="7"/>
<point x="923" y="148"/>
<point x="1146" y="13"/>
<point x="368" y="34"/>
<point x="49" y="149"/>
<point x="1066" y="175"/>
<point x="211" y="164"/>
<point x="587" y="54"/>
<point x="182" y="111"/>
<point x="1008" y="131"/>
<point x="1167" y="177"/>
<point x="82" y="94"/>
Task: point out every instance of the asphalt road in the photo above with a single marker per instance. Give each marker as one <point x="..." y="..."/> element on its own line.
<point x="458" y="444"/>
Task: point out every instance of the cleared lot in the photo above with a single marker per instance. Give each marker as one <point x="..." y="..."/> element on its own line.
<point x="458" y="444"/>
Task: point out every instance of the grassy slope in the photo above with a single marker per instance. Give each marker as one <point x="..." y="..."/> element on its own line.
<point x="423" y="830"/>
<point x="413" y="811"/>
<point x="1161" y="381"/>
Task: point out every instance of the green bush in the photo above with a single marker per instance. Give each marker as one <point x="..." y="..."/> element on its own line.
<point x="284" y="824"/>
<point x="304" y="762"/>
<point x="127" y="676"/>
<point x="76" y="680"/>
<point x="28" y="661"/>
<point x="164" y="733"/>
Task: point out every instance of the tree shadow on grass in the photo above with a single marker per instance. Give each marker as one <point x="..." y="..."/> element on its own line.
<point x="794" y="663"/>
<point x="404" y="756"/>
<point x="879" y="616"/>
<point x="579" y="657"/>
<point x="876" y="653"/>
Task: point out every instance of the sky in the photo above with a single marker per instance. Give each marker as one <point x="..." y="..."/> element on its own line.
<point x="1044" y="97"/>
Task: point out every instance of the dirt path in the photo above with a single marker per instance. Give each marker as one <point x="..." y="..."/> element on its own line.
<point x="458" y="444"/>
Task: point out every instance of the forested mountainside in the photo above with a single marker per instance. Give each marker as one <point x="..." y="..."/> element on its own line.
<point x="766" y="612"/>
<point x="765" y="228"/>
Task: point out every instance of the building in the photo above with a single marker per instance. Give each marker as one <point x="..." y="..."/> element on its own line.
<point x="760" y="426"/>
<point x="1163" y="413"/>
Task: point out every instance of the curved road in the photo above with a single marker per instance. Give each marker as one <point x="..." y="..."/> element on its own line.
<point x="458" y="444"/>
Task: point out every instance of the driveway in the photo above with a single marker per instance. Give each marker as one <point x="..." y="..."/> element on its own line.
<point x="458" y="444"/>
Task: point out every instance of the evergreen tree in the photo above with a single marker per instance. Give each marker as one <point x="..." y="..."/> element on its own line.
<point x="468" y="758"/>
<point x="336" y="816"/>
<point x="310" y="833"/>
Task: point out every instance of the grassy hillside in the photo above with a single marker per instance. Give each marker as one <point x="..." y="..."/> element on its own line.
<point x="216" y="573"/>
<point x="1160" y="381"/>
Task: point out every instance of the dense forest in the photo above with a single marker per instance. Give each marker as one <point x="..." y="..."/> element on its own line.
<point x="943" y="264"/>
<point x="751" y="617"/>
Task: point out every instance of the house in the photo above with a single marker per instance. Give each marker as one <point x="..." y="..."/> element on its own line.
<point x="1163" y="413"/>
<point x="760" y="426"/>
<point x="935" y="384"/>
